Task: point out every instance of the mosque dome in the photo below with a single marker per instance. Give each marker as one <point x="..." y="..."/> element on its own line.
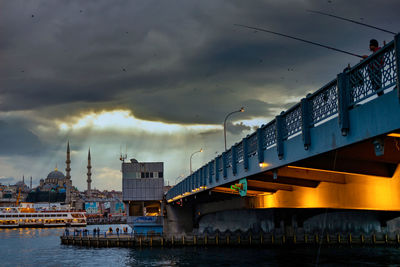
<point x="55" y="175"/>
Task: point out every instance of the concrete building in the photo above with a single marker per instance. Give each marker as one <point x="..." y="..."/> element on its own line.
<point x="142" y="192"/>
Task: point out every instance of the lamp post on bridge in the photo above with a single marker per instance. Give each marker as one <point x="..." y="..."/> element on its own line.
<point x="201" y="150"/>
<point x="233" y="112"/>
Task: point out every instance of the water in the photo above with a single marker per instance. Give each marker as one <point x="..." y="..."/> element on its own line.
<point x="42" y="247"/>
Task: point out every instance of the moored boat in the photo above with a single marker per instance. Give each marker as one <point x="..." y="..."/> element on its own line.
<point x="27" y="216"/>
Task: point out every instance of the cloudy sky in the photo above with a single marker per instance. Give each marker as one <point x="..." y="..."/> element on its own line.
<point x="159" y="77"/>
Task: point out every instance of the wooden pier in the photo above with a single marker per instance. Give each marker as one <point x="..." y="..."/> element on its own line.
<point x="264" y="239"/>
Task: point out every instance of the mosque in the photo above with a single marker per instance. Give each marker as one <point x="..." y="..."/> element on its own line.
<point x="54" y="180"/>
<point x="58" y="187"/>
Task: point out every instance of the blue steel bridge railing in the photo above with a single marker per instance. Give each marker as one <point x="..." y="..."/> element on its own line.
<point x="352" y="87"/>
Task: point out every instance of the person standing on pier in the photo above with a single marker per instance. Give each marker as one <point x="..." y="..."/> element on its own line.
<point x="374" y="68"/>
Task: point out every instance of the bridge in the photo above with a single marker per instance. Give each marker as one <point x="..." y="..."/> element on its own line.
<point x="339" y="148"/>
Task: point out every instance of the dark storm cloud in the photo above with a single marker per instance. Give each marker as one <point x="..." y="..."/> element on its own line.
<point x="17" y="140"/>
<point x="173" y="61"/>
<point x="237" y="128"/>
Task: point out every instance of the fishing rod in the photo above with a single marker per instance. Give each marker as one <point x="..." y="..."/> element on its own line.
<point x="350" y="20"/>
<point x="299" y="39"/>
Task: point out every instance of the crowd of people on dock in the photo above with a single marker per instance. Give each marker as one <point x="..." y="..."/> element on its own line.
<point x="96" y="232"/>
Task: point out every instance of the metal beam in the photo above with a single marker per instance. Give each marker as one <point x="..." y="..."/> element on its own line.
<point x="312" y="174"/>
<point x="266" y="177"/>
<point x="226" y="190"/>
<point x="268" y="185"/>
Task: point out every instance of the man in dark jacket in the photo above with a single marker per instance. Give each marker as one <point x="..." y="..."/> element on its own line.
<point x="375" y="67"/>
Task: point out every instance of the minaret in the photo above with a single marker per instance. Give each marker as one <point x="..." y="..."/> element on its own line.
<point x="68" y="177"/>
<point x="89" y="176"/>
<point x="30" y="185"/>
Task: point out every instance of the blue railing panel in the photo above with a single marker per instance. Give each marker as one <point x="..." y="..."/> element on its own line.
<point x="240" y="152"/>
<point x="252" y="142"/>
<point x="292" y="121"/>
<point x="270" y="134"/>
<point x="229" y="157"/>
<point x="374" y="74"/>
<point x="324" y="102"/>
<point x="219" y="161"/>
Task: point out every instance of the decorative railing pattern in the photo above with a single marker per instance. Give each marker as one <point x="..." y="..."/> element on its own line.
<point x="229" y="157"/>
<point x="252" y="143"/>
<point x="269" y="134"/>
<point x="324" y="102"/>
<point x="219" y="160"/>
<point x="240" y="152"/>
<point x="293" y="121"/>
<point x="371" y="76"/>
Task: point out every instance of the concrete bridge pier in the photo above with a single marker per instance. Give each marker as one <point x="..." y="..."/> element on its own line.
<point x="179" y="220"/>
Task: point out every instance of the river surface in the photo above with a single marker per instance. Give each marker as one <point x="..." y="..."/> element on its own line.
<point x="42" y="247"/>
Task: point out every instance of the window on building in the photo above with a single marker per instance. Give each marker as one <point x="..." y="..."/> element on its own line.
<point x="147" y="175"/>
<point x="155" y="174"/>
<point x="151" y="175"/>
<point x="160" y="174"/>
<point x="142" y="175"/>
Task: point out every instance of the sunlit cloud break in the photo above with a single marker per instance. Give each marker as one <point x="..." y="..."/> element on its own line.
<point x="125" y="120"/>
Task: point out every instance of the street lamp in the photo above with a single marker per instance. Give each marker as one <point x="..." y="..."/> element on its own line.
<point x="201" y="150"/>
<point x="233" y="112"/>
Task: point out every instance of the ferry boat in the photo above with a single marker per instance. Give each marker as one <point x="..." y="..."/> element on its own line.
<point x="27" y="216"/>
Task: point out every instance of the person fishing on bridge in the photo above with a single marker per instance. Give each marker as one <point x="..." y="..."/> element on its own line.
<point x="375" y="67"/>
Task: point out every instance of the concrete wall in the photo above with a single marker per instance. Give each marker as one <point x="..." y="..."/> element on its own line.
<point x="142" y="189"/>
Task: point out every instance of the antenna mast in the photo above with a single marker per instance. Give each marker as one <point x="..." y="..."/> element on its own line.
<point x="122" y="157"/>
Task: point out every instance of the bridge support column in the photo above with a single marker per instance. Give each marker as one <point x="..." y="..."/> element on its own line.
<point x="245" y="154"/>
<point x="343" y="85"/>
<point x="201" y="171"/>
<point x="210" y="167"/>
<point x="305" y="122"/>
<point x="197" y="178"/>
<point x="217" y="169"/>
<point x="224" y="165"/>
<point x="204" y="175"/>
<point x="180" y="219"/>
<point x="260" y="145"/>
<point x="397" y="55"/>
<point x="234" y="160"/>
<point x="280" y="135"/>
<point x="192" y="184"/>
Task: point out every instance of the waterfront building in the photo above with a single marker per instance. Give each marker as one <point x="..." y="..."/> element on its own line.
<point x="142" y="193"/>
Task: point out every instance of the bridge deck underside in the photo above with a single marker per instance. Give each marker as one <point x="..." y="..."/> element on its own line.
<point x="352" y="177"/>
